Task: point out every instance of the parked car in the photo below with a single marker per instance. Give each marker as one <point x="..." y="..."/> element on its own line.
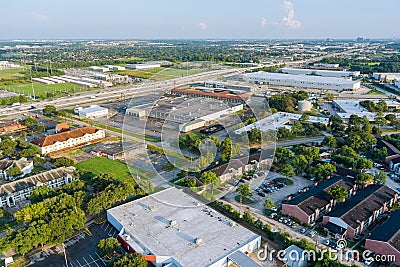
<point x="303" y="230"/>
<point x="312" y="233"/>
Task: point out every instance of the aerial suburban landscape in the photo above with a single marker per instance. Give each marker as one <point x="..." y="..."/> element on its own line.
<point x="199" y="134"/>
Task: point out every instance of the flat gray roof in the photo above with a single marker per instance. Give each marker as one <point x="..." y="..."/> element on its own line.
<point x="149" y="221"/>
<point x="301" y="78"/>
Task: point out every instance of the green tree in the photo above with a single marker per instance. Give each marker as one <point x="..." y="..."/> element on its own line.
<point x="130" y="260"/>
<point x="250" y="121"/>
<point x="380" y="177"/>
<point x="7" y="146"/>
<point x="211" y="179"/>
<point x="297" y="129"/>
<point x="64" y="161"/>
<point x="287" y="171"/>
<point x="323" y="170"/>
<point x="244" y="191"/>
<point x="305" y="117"/>
<point x="14" y="171"/>
<point x="29" y="122"/>
<point x="364" y="178"/>
<point x="40" y="193"/>
<point x="299" y="163"/>
<point x="269" y="204"/>
<point x="364" y="164"/>
<point x="338" y="193"/>
<point x="107" y="246"/>
<point x="49" y="110"/>
<point x="282" y="154"/>
<point x="30" y="151"/>
<point x="330" y="141"/>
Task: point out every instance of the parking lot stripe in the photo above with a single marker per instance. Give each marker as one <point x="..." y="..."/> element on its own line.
<point x="100" y="258"/>
<point x="94" y="260"/>
<point x="79" y="263"/>
<point x="88" y="264"/>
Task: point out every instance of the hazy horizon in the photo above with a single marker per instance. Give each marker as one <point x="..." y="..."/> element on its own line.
<point x="174" y="19"/>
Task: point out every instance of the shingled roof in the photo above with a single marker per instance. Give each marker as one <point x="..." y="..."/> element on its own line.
<point x="64" y="136"/>
<point x="35" y="180"/>
<point x="361" y="206"/>
<point x="317" y="196"/>
<point x="21" y="163"/>
<point x="388" y="231"/>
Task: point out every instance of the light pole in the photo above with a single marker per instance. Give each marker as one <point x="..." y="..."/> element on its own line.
<point x="65" y="255"/>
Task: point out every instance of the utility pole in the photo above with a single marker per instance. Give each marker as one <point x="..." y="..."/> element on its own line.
<point x="33" y="88"/>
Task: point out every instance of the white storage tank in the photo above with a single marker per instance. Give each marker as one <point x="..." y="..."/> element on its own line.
<point x="305" y="105"/>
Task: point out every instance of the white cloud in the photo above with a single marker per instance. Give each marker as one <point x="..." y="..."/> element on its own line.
<point x="40" y="16"/>
<point x="263" y="22"/>
<point x="202" y="26"/>
<point x="289" y="20"/>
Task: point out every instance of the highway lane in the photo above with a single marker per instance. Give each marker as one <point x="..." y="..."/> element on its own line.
<point x="116" y="93"/>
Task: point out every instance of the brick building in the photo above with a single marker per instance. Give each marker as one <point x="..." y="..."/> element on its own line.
<point x="311" y="205"/>
<point x="356" y="214"/>
<point x="385" y="239"/>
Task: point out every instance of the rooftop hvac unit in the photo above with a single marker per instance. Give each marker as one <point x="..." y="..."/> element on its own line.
<point x="172" y="223"/>
<point x="152" y="208"/>
<point x="198" y="241"/>
<point x="232" y="224"/>
<point x="127" y="237"/>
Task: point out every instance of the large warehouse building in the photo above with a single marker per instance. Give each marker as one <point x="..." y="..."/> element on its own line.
<point x="171" y="228"/>
<point x="303" y="81"/>
<point x="323" y="73"/>
<point x="185" y="114"/>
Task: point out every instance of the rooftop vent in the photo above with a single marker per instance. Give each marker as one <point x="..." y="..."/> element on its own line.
<point x="172" y="223"/>
<point x="152" y="208"/>
<point x="232" y="224"/>
<point x="198" y="241"/>
<point x="127" y="237"/>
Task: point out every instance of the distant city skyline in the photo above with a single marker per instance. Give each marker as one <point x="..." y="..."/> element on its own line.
<point x="174" y="19"/>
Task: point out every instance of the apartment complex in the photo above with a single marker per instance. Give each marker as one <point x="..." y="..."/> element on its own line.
<point x="311" y="205"/>
<point x="357" y="213"/>
<point x="20" y="190"/>
<point x="60" y="141"/>
<point x="24" y="165"/>
<point x="385" y="239"/>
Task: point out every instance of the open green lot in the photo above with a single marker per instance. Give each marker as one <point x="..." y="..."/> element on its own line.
<point x="41" y="88"/>
<point x="119" y="169"/>
<point x="12" y="73"/>
<point x="161" y="74"/>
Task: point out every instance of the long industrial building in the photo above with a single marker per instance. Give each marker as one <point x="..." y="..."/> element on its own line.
<point x="323" y="73"/>
<point x="302" y="81"/>
<point x="171" y="228"/>
<point x="185" y="114"/>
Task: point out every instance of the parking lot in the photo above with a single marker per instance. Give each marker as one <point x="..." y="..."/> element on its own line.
<point x="80" y="249"/>
<point x="278" y="195"/>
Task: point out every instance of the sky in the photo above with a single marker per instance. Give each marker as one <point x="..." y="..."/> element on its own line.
<point x="201" y="19"/>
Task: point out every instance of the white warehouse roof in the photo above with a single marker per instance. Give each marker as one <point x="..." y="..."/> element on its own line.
<point x="303" y="81"/>
<point x="175" y="228"/>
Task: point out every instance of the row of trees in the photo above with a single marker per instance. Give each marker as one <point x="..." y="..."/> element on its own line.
<point x="14" y="99"/>
<point x="47" y="222"/>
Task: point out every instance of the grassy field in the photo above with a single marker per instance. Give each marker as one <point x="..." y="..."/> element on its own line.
<point x="41" y="88"/>
<point x="12" y="73"/>
<point x="160" y="74"/>
<point x="118" y="169"/>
